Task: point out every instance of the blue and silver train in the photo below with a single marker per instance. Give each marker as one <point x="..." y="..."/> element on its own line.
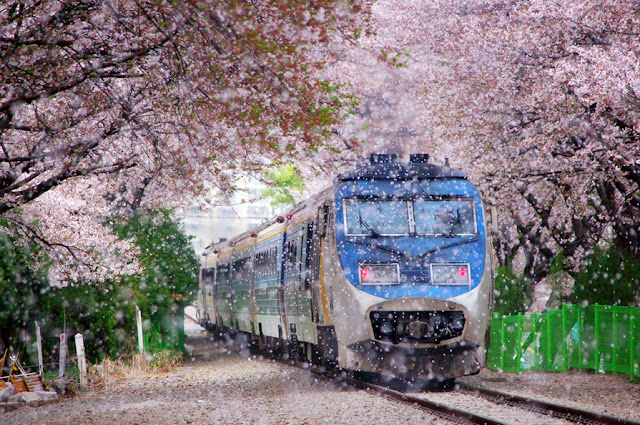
<point x="387" y="271"/>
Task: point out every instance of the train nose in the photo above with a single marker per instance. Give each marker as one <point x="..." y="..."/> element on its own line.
<point x="417" y="326"/>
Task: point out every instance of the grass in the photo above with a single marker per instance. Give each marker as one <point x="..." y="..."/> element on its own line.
<point x="129" y="366"/>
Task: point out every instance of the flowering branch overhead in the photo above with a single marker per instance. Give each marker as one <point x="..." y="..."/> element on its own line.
<point x="155" y="98"/>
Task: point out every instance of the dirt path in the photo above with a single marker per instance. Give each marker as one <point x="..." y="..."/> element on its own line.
<point x="218" y="387"/>
<point x="215" y="386"/>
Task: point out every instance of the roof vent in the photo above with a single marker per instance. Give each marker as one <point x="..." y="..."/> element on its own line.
<point x="381" y="158"/>
<point x="419" y="158"/>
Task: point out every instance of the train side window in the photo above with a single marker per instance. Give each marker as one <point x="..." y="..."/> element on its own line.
<point x="274" y="261"/>
<point x="242" y="269"/>
<point x="290" y="257"/>
<point x="323" y="220"/>
<point x="247" y="267"/>
<point x="255" y="260"/>
<point x="309" y="254"/>
<point x="234" y="271"/>
<point x="207" y="276"/>
<point x="293" y="261"/>
<point x="299" y="258"/>
<point x="267" y="262"/>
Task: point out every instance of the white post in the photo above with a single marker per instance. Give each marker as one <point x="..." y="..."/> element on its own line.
<point x="140" y="336"/>
<point x="63" y="356"/>
<point x="82" y="361"/>
<point x="39" y="343"/>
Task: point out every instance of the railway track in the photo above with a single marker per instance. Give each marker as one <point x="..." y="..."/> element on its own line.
<point x="550" y="409"/>
<point x="476" y="405"/>
<point x="468" y="404"/>
<point x="443" y="411"/>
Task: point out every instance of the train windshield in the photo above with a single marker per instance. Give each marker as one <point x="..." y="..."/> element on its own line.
<point x="430" y="217"/>
<point x="376" y="217"/>
<point x="450" y="217"/>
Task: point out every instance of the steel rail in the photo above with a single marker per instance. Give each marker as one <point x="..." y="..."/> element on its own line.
<point x="551" y="409"/>
<point x="457" y="415"/>
<point x="437" y="409"/>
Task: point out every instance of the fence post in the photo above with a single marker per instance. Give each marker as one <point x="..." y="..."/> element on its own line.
<point x="82" y="361"/>
<point x="502" y="347"/>
<point x="63" y="357"/>
<point x="536" y="342"/>
<point x="580" y="328"/>
<point x="596" y="336"/>
<point x="565" y="332"/>
<point x="140" y="335"/>
<point x="549" y="360"/>
<point x="632" y="344"/>
<point x="614" y="345"/>
<point x="39" y="344"/>
<point x="519" y="346"/>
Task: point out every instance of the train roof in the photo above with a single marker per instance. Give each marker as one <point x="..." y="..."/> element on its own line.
<point x="416" y="169"/>
<point x="401" y="171"/>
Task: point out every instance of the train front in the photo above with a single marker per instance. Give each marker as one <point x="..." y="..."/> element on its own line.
<point x="412" y="290"/>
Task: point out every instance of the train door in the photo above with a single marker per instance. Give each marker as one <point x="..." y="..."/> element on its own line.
<point x="222" y="293"/>
<point x="206" y="310"/>
<point x="311" y="269"/>
<point x="303" y="287"/>
<point x="267" y="298"/>
<point x="283" y="330"/>
<point x="322" y="290"/>
<point x="300" y="269"/>
<point x="291" y="281"/>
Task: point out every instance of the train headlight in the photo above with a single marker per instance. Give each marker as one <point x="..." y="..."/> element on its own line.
<point x="450" y="274"/>
<point x="379" y="274"/>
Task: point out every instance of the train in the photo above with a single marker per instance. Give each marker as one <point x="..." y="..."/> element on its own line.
<point x="388" y="272"/>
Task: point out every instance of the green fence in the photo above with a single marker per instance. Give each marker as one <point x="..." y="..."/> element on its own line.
<point x="599" y="338"/>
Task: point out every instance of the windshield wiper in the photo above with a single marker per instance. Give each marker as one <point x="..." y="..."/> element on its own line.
<point x="451" y="245"/>
<point x="366" y="225"/>
<point x="454" y="223"/>
<point x="382" y="247"/>
<point x="423" y="254"/>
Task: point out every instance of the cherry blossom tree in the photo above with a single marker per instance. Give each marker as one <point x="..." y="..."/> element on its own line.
<point x="538" y="102"/>
<point x="115" y="104"/>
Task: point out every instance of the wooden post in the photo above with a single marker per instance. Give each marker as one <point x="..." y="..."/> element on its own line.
<point x="82" y="361"/>
<point x="140" y="335"/>
<point x="63" y="357"/>
<point x="39" y="344"/>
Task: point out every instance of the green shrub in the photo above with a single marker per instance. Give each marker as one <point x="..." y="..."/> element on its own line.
<point x="610" y="277"/>
<point x="169" y="278"/>
<point x="512" y="293"/>
<point x="102" y="311"/>
<point x="23" y="291"/>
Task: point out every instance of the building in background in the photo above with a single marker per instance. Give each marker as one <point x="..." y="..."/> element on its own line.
<point x="244" y="210"/>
